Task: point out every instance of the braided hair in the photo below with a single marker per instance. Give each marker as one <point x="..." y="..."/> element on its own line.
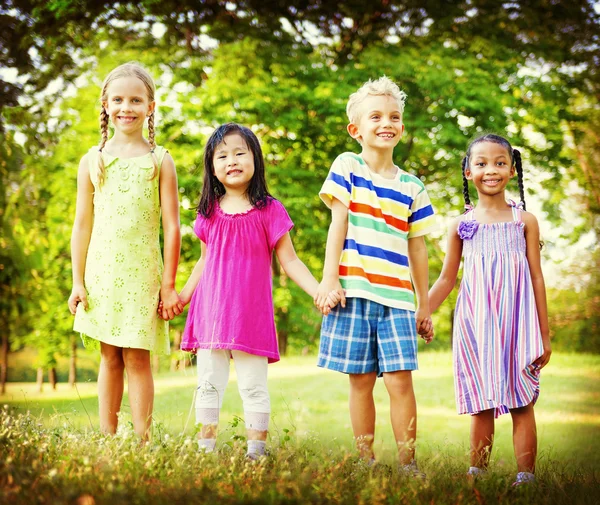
<point x="127" y="70"/>
<point x="516" y="155"/>
<point x="464" y="164"/>
<point x="515" y="158"/>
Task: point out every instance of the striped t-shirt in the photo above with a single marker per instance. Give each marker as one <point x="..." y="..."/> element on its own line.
<point x="382" y="215"/>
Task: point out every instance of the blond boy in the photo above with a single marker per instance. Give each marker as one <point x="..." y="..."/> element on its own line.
<point x="375" y="245"/>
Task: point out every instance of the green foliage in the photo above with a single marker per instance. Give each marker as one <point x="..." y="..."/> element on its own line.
<point x="574" y="315"/>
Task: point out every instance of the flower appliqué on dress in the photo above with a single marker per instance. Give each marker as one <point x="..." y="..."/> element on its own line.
<point x="466" y="229"/>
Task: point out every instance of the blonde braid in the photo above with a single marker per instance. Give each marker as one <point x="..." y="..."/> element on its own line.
<point x="104" y="131"/>
<point x="152" y="144"/>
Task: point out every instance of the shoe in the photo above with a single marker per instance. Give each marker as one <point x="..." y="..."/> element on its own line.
<point x="524" y="478"/>
<point x="475" y="472"/>
<point x="411" y="470"/>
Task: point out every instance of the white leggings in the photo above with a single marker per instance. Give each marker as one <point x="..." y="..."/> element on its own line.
<point x="213" y="376"/>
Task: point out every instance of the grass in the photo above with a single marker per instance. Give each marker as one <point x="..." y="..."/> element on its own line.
<point x="53" y="453"/>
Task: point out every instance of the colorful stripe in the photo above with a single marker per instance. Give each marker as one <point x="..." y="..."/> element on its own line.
<point x="382" y="215"/>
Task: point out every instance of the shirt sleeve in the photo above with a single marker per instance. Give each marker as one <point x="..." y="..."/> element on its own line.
<point x="338" y="183"/>
<point x="200" y="228"/>
<point x="422" y="217"/>
<point x="278" y="222"/>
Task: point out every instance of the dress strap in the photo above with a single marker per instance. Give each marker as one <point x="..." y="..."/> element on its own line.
<point x="516" y="211"/>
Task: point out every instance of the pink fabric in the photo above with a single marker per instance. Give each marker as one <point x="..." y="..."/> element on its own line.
<point x="232" y="307"/>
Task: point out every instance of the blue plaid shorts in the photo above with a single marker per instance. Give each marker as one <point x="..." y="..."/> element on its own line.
<point x="366" y="336"/>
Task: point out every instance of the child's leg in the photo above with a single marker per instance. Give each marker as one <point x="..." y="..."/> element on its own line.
<point x="524" y="438"/>
<point x="213" y="375"/>
<point x="252" y="384"/>
<point x="482" y="438"/>
<point x="110" y="386"/>
<point x="140" y="389"/>
<point x="362" y="412"/>
<point x="403" y="411"/>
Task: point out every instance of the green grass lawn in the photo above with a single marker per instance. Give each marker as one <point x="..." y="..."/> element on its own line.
<point x="310" y="416"/>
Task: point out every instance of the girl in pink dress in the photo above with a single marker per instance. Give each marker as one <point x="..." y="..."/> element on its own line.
<point x="501" y="338"/>
<point x="229" y="290"/>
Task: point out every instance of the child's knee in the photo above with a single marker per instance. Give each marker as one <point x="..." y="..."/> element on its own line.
<point x="136" y="360"/>
<point x="363" y="383"/>
<point x="209" y="395"/>
<point x="113" y="362"/>
<point x="255" y="397"/>
<point x="399" y="383"/>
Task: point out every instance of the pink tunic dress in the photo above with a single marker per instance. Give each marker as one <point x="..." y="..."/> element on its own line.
<point x="232" y="307"/>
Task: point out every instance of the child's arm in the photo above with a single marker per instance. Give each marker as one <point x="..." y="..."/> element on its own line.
<point x="80" y="236"/>
<point x="447" y="279"/>
<point x="419" y="271"/>
<point x="294" y="267"/>
<point x="169" y="204"/>
<point x="532" y="240"/>
<point x="298" y="271"/>
<point x="333" y="252"/>
<point x="195" y="276"/>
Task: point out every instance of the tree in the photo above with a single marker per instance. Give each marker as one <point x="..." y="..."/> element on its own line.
<point x="43" y="40"/>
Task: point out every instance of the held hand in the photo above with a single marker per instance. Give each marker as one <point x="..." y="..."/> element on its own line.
<point x="333" y="298"/>
<point x="424" y="325"/>
<point x="78" y="295"/>
<point x="171" y="304"/>
<point x="323" y="292"/>
<point x="426" y="330"/>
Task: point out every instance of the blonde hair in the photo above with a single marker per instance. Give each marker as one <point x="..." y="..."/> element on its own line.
<point x="383" y="86"/>
<point x="131" y="69"/>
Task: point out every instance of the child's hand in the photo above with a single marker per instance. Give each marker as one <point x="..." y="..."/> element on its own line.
<point x="78" y="295"/>
<point x="543" y="360"/>
<point x="424" y="324"/>
<point x="333" y="298"/>
<point x="324" y="291"/>
<point x="425" y="330"/>
<point x="170" y="304"/>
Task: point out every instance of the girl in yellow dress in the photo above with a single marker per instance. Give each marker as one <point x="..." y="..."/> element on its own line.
<point x="123" y="187"/>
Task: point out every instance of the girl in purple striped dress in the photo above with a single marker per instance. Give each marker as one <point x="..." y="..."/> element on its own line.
<point x="501" y="338"/>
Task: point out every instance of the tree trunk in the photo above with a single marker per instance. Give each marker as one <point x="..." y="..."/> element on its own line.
<point x="282" y="339"/>
<point x="73" y="361"/>
<point x="282" y="332"/>
<point x="52" y="377"/>
<point x="40" y="379"/>
<point x="176" y="363"/>
<point x="4" y="361"/>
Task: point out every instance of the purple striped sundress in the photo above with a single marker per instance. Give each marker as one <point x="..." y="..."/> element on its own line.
<point x="497" y="334"/>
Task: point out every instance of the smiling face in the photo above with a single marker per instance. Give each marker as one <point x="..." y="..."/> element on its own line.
<point x="233" y="163"/>
<point x="379" y="124"/>
<point x="127" y="104"/>
<point x="490" y="167"/>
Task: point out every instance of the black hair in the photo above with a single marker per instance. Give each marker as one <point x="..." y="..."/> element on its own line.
<point x="515" y="158"/>
<point x="213" y="190"/>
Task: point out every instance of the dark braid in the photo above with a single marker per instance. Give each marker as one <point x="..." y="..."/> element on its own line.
<point x="465" y="183"/>
<point x="519" y="166"/>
